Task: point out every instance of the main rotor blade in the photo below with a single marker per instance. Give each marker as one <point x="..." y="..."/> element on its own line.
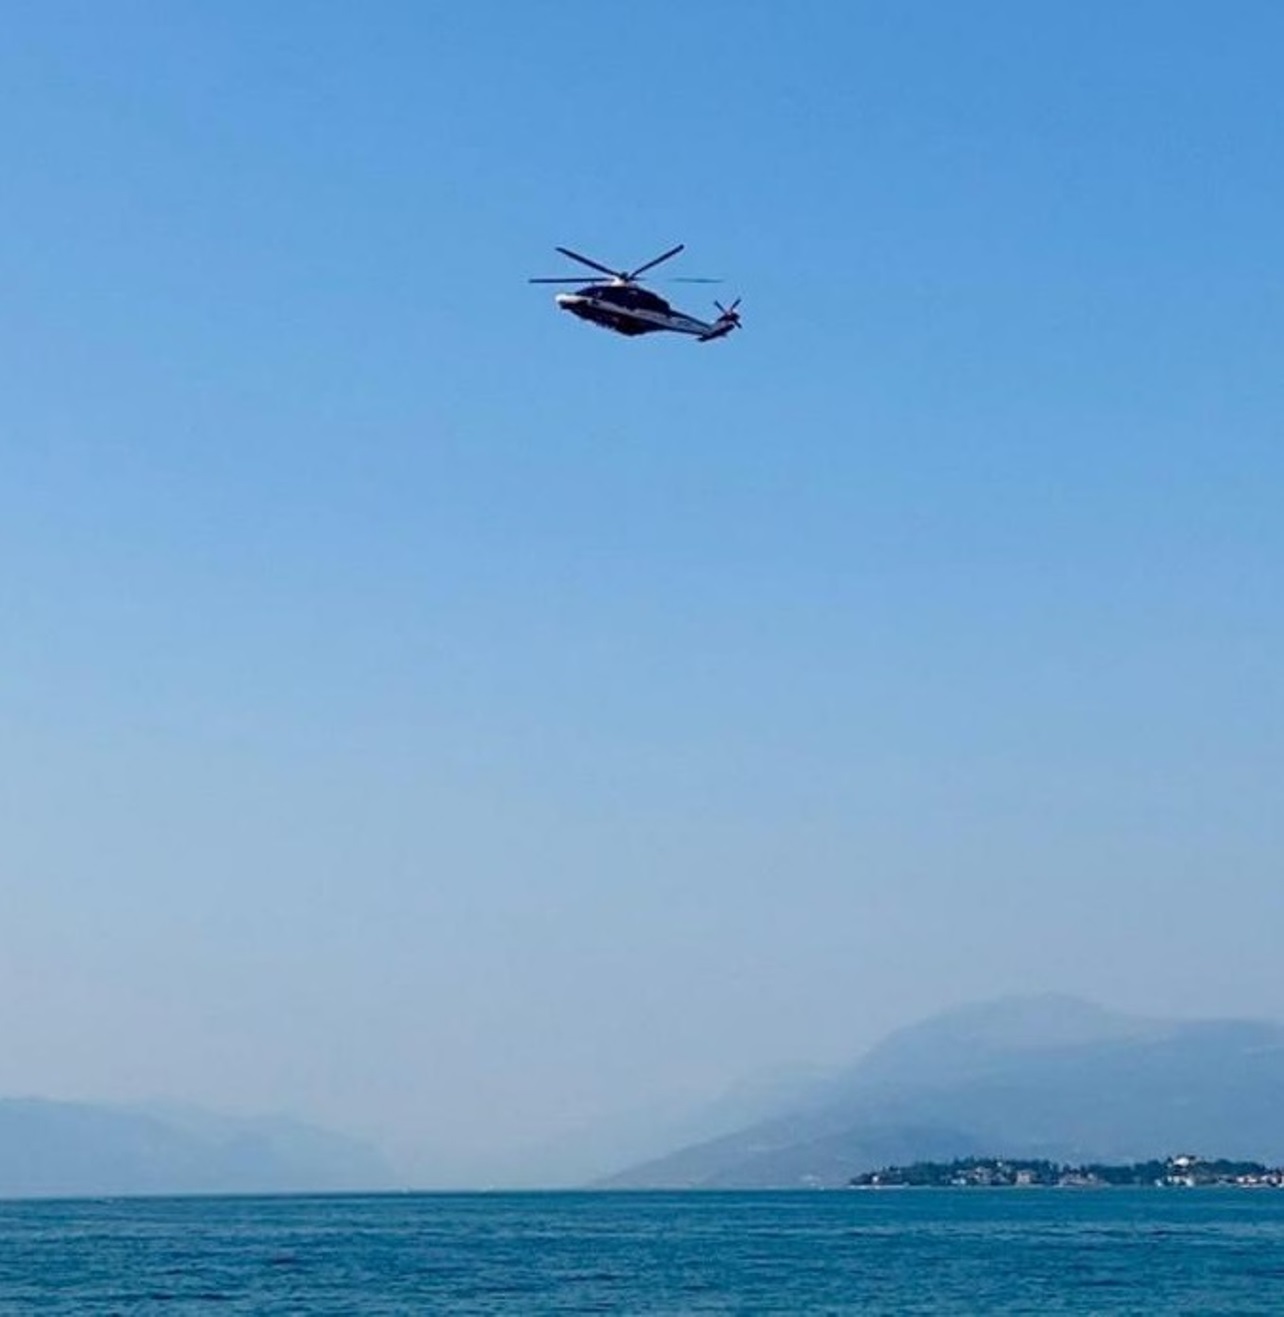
<point x="566" y="279"/>
<point x="687" y="279"/>
<point x="673" y="251"/>
<point x="593" y="265"/>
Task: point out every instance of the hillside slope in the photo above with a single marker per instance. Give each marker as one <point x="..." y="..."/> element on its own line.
<point x="77" y="1149"/>
<point x="1033" y="1077"/>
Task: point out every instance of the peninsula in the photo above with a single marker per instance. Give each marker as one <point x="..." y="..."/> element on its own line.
<point x="997" y="1172"/>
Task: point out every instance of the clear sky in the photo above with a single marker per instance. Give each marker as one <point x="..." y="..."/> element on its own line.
<point x="430" y="715"/>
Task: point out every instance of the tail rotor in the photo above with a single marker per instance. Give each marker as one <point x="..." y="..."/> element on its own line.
<point x="728" y="319"/>
<point x="729" y="313"/>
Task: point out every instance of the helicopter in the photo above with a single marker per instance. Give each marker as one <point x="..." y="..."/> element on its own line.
<point x="627" y="309"/>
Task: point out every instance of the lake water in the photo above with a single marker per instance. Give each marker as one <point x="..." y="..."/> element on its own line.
<point x="902" y="1252"/>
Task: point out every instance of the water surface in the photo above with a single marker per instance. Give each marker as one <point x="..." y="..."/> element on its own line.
<point x="902" y="1252"/>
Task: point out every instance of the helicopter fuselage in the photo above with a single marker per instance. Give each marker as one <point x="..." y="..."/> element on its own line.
<point x="630" y="310"/>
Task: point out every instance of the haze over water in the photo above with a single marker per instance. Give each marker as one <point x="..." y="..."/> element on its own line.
<point x="442" y="720"/>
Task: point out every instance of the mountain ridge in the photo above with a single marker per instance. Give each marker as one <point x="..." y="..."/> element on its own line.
<point x="1047" y="1076"/>
<point x="53" y="1148"/>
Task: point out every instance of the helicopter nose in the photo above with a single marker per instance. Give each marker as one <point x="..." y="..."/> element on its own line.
<point x="566" y="300"/>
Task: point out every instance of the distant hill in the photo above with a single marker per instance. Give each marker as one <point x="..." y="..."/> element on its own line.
<point x="1042" y="1077"/>
<point x="75" y="1149"/>
<point x="636" y="1134"/>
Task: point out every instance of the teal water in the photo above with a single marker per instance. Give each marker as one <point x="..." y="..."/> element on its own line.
<point x="908" y="1252"/>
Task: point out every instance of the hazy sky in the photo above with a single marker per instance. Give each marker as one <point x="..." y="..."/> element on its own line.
<point x="431" y="715"/>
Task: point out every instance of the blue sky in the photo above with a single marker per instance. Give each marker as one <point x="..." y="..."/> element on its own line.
<point x="424" y="712"/>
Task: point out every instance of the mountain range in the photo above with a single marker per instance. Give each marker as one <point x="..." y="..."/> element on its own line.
<point x="1036" y="1077"/>
<point x="80" y="1149"/>
<point x="1050" y="1076"/>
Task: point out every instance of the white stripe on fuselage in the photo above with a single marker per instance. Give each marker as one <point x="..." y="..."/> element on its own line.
<point x="675" y="320"/>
